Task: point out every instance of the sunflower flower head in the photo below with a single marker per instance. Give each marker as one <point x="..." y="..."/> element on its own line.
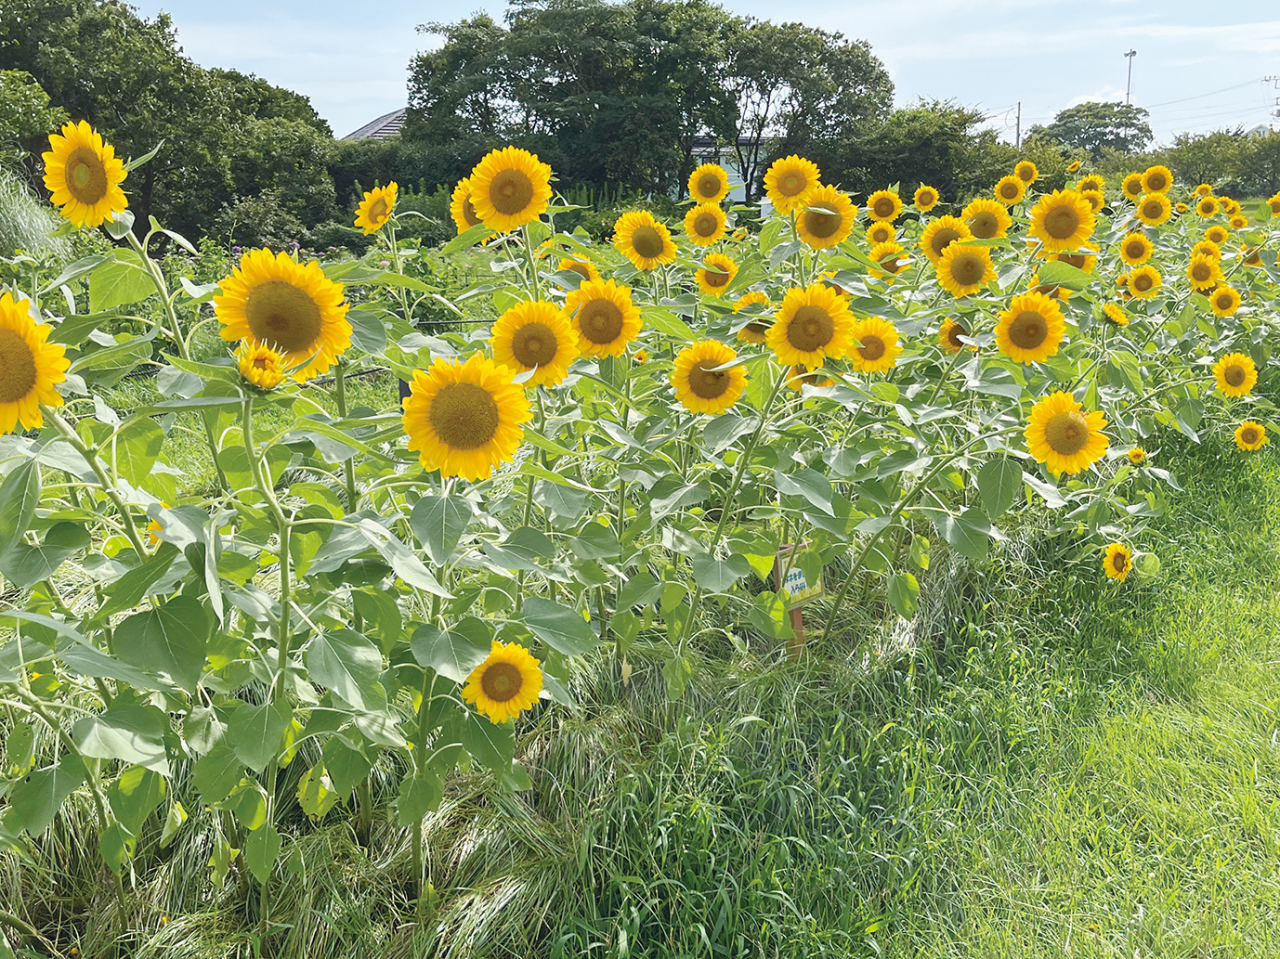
<point x="926" y="198"/>
<point x="701" y="385"/>
<point x="1010" y="190"/>
<point x="509" y="188"/>
<point x="880" y="232"/>
<point x="1225" y="300"/>
<point x="812" y="324"/>
<point x="643" y="240"/>
<point x="1137" y="456"/>
<point x="716" y="273"/>
<point x="824" y="217"/>
<point x="704" y="224"/>
<point x="986" y="219"/>
<point x="604" y="317"/>
<point x="505" y="684"/>
<point x="1117" y="561"/>
<point x="83" y="175"/>
<point x="535" y="337"/>
<point x="884" y="206"/>
<point x="1063" y="221"/>
<point x="260" y="365"/>
<point x="876" y="345"/>
<point x="709" y="183"/>
<point x="787" y="181"/>
<point x="376" y="208"/>
<point x="1251" y="436"/>
<point x="964" y="270"/>
<point x="949" y="334"/>
<point x="1026" y="172"/>
<point x="1235" y="374"/>
<point x="1032" y="329"/>
<point x="30" y="367"/>
<point x="461" y="209"/>
<point x="1064" y="436"/>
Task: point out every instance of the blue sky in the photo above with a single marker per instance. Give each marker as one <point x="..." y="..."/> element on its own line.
<point x="1198" y="68"/>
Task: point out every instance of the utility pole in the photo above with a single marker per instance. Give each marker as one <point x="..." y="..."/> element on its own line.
<point x="1017" y="129"/>
<point x="1129" y="83"/>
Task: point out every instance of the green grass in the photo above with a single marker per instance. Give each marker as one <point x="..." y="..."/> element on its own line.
<point x="1041" y="764"/>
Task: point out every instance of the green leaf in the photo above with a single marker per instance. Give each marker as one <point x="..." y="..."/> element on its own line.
<point x="349" y="665"/>
<point x="217" y="772"/>
<point x="119" y="282"/>
<point x="904" y="590"/>
<point x="561" y="502"/>
<point x="439" y="522"/>
<point x="129" y="589"/>
<point x="347" y="767"/>
<point x="37" y="797"/>
<point x="717" y="575"/>
<point x="171" y="640"/>
<point x="367" y="331"/>
<point x="18" y="497"/>
<point x="399" y="557"/>
<point x="596" y="541"/>
<point x="249" y="803"/>
<point x="521" y="550"/>
<point x="999" y="484"/>
<point x="1056" y="273"/>
<point x="137" y="446"/>
<point x="315" y="793"/>
<point x="640" y="590"/>
<point x="466" y="239"/>
<point x="561" y="628"/>
<point x="417" y="797"/>
<point x="26" y="565"/>
<point x="135" y="795"/>
<point x="967" y="534"/>
<point x="724" y="429"/>
<point x="256" y="733"/>
<point x="492" y="744"/>
<point x="455" y="652"/>
<point x="173" y="821"/>
<point x="809" y="484"/>
<point x="79" y="268"/>
<point x="769" y="615"/>
<point x="132" y="734"/>
<point x="116" y="846"/>
<point x="664" y="321"/>
<point x="261" y="850"/>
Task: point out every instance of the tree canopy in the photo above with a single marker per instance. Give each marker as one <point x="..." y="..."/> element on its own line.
<point x="1097" y="126"/>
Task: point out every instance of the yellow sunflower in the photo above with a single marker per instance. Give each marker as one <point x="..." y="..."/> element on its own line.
<point x="376" y="207"/>
<point x="1217" y="234"/>
<point x="1095" y="200"/>
<point x="717" y="273"/>
<point x="640" y="357"/>
<point x="509" y="188"/>
<point x="1073" y="166"/>
<point x="892" y="258"/>
<point x="83" y="175"/>
<point x="1136" y="249"/>
<point x="604" y="317"/>
<point x="877" y="345"/>
<point x="878" y="233"/>
<point x="1274" y="202"/>
<point x="1062" y="221"/>
<point x="1206" y="206"/>
<point x="1230" y="206"/>
<point x="1031" y="330"/>
<point x="949" y="334"/>
<point x="1010" y="190"/>
<point x="1153" y="209"/>
<point x="1239" y="222"/>
<point x="700" y="386"/>
<point x="1081" y="261"/>
<point x="1207" y="248"/>
<point x="940" y="234"/>
<point x="788" y="180"/>
<point x="584" y="268"/>
<point x="296" y="310"/>
<point x="260" y="365"/>
<point x="1251" y="255"/>
<point x="643" y="240"/>
<point x="1225" y="300"/>
<point x="824" y="217"/>
<point x="986" y="219"/>
<point x="1117" y="561"/>
<point x="535" y="336"/>
<point x="1092" y="181"/>
<point x="1116" y="314"/>
<point x="1131" y="186"/>
<point x="1251" y="436"/>
<point x="884" y="206"/>
<point x="709" y="183"/>
<point x="1051" y="290"/>
<point x="1145" y="282"/>
<point x="1157" y="179"/>
<point x="704" y="224"/>
<point x="812" y="324"/>
<point x="800" y="376"/>
<point x="965" y="269"/>
<point x="463" y="419"/>
<point x="1137" y="456"/>
<point x="1063" y="436"/>
<point x="754" y="298"/>
<point x="1180" y="207"/>
<point x="926" y="199"/>
<point x="460" y="207"/>
<point x="1203" y="272"/>
<point x="30" y="367"/>
<point x="1026" y="172"/>
<point x="1235" y="374"/>
<point x="1203" y="189"/>
<point x="505" y="684"/>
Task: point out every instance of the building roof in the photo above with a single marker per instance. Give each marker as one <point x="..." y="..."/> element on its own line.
<point x="387" y="125"/>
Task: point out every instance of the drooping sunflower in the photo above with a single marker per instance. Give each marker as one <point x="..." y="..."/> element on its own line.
<point x="1235" y="374"/>
<point x="294" y="309"/>
<point x="260" y="365"/>
<point x="891" y="257"/>
<point x="940" y="234"/>
<point x="1116" y="314"/>
<point x="643" y="240"/>
<point x="1206" y="206"/>
<point x="884" y="206"/>
<point x="1239" y="222"/>
<point x="505" y="684"/>
<point x="876" y="345"/>
<point x="535" y="335"/>
<point x="755" y="332"/>
<point x="1073" y="166"/>
<point x="1063" y="436"/>
<point x="1157" y="179"/>
<point x="1230" y="205"/>
<point x="1145" y="282"/>
<point x="926" y="199"/>
<point x="716" y="274"/>
<point x="787" y="180"/>
<point x="1208" y="248"/>
<point x="1251" y="436"/>
<point x="949" y="334"/>
<point x="700" y="386"/>
<point x="1117" y="561"/>
<point x="1051" y="290"/>
<point x="812" y="324"/>
<point x="1095" y="200"/>
<point x="463" y="419"/>
<point x="509" y="188"/>
<point x="1225" y="300"/>
<point x="1010" y="190"/>
<point x="1204" y="189"/>
<point x="604" y="316"/>
<point x="1062" y="221"/>
<point x="1251" y="255"/>
<point x="709" y="183"/>
<point x="800" y="376"/>
<point x="1131" y="186"/>
<point x="1031" y="330"/>
<point x="965" y="269"/>
<point x="30" y="366"/>
<point x="376" y="207"/>
<point x="878" y="233"/>
<point x="1092" y="181"/>
<point x="1153" y="209"/>
<point x="1217" y="234"/>
<point x="1136" y="249"/>
<point x="1137" y="456"/>
<point x="584" y="268"/>
<point x="1026" y="172"/>
<point x="1081" y="261"/>
<point x="704" y="224"/>
<point x="986" y="219"/>
<point x="460" y="207"/>
<point x="1204" y="272"/>
<point x="640" y="357"/>
<point x="84" y="175"/>
<point x="825" y="217"/>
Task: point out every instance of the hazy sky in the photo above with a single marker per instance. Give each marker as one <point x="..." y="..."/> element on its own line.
<point x="1197" y="68"/>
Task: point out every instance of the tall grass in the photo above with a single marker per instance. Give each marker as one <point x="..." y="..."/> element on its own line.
<point x="25" y="223"/>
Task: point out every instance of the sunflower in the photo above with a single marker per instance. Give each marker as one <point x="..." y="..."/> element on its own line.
<point x="717" y="274"/>
<point x="604" y="317"/>
<point x="643" y="240"/>
<point x="1235" y="374"/>
<point x="788" y="180"/>
<point x="1081" y="261"/>
<point x="892" y="258"/>
<point x="1031" y="330"/>
<point x="709" y="183"/>
<point x="949" y="334"/>
<point x="1131" y="186"/>
<point x="754" y="332"/>
<point x="1153" y="209"/>
<point x="1063" y="436"/>
<point x="1095" y="200"/>
<point x="460" y="207"/>
<point x="824" y="217"/>
<point x="1136" y="249"/>
<point x="1239" y="222"/>
<point x="704" y="223"/>
<point x="464" y="418"/>
<point x="640" y="357"/>
<point x="701" y="387"/>
<point x="1206" y="206"/>
<point x="812" y="324"/>
<point x="584" y="268"/>
<point x="926" y="199"/>
<point x="1217" y="234"/>
<point x="30" y="366"/>
<point x="1051" y="290"/>
<point x="878" y="233"/>
<point x="376" y="207"/>
<point x="1117" y="561"/>
<point x="1157" y="179"/>
<point x="1145" y="282"/>
<point x="1251" y="436"/>
<point x="940" y="234"/>
<point x="535" y="336"/>
<point x="509" y="188"/>
<point x="1180" y="207"/>
<point x="155" y="526"/>
<point x="1062" y="221"/>
<point x="1203" y="272"/>
<point x="754" y="298"/>
<point x="800" y="376"/>
<point x="1010" y="190"/>
<point x="1137" y="456"/>
<point x="1116" y="314"/>
<point x="83" y="175"/>
<point x="1092" y="181"/>
<point x="884" y="206"/>
<point x="1073" y="166"/>
<point x="1230" y="206"/>
<point x="1274" y="203"/>
<point x="294" y="309"/>
<point x="1225" y="300"/>
<point x="1026" y="172"/>
<point x="1208" y="248"/>
<point x="505" y="684"/>
<point x="965" y="269"/>
<point x="877" y="345"/>
<point x="986" y="219"/>
<point x="1203" y="189"/>
<point x="1251" y="255"/>
<point x="260" y="365"/>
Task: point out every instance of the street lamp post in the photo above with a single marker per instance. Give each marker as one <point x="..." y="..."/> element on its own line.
<point x="1129" y="83"/>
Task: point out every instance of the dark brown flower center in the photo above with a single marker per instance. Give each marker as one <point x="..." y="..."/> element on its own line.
<point x="713" y="276"/>
<point x="967" y="269"/>
<point x="534" y="344"/>
<point x="1224" y="301"/>
<point x="810" y="329"/>
<point x="464" y="415"/>
<point x="1143" y="282"/>
<point x="577" y="266"/>
<point x="706" y="224"/>
<point x="706" y="382"/>
<point x="1067" y="433"/>
<point x="1235" y="375"/>
<point x="469" y="212"/>
<point x="792" y="183"/>
<point x="511" y="192"/>
<point x="1249" y="435"/>
<point x="1008" y="190"/>
<point x="378" y="210"/>
<point x="1062" y="222"/>
<point x="954" y="332"/>
<point x="17" y="366"/>
<point x="600" y="320"/>
<point x="1120" y="562"/>
<point x="1028" y="330"/>
<point x="708" y="185"/>
<point x="1200" y="272"/>
<point x="1025" y="174"/>
<point x="501" y="682"/>
<point x="943" y="239"/>
<point x="647" y="242"/>
<point x="1152" y="209"/>
<point x="86" y="176"/>
<point x="1157" y="181"/>
<point x="822" y="222"/>
<point x="1078" y="260"/>
<point x="884" y="206"/>
<point x="284" y="315"/>
<point x="984" y="225"/>
<point x="1135" y="249"/>
<point x="872" y="347"/>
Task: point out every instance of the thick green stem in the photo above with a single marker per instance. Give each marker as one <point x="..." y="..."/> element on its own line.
<point x="349" y="465"/>
<point x="107" y="486"/>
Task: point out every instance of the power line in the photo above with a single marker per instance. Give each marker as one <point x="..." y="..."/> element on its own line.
<point x="1198" y="96"/>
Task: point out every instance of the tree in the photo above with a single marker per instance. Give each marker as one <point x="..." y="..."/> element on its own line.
<point x="1093" y="126"/>
<point x="25" y="113"/>
<point x="1205" y="157"/>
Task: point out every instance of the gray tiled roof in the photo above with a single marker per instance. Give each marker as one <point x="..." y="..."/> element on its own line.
<point x="387" y="125"/>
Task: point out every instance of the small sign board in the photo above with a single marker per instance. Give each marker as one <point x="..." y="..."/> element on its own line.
<point x="789" y="575"/>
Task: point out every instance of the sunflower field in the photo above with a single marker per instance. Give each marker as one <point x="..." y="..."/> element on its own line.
<point x="727" y="433"/>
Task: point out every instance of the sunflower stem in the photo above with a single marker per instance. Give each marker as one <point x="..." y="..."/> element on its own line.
<point x="107" y="486"/>
<point x="349" y="464"/>
<point x="535" y="292"/>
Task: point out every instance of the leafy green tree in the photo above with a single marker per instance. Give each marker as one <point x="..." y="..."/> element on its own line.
<point x="1094" y="126"/>
<point x="1205" y="157"/>
<point x="25" y="113"/>
<point x="1259" y="164"/>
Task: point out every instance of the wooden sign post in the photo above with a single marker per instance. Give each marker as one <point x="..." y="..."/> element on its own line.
<point x="795" y="590"/>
